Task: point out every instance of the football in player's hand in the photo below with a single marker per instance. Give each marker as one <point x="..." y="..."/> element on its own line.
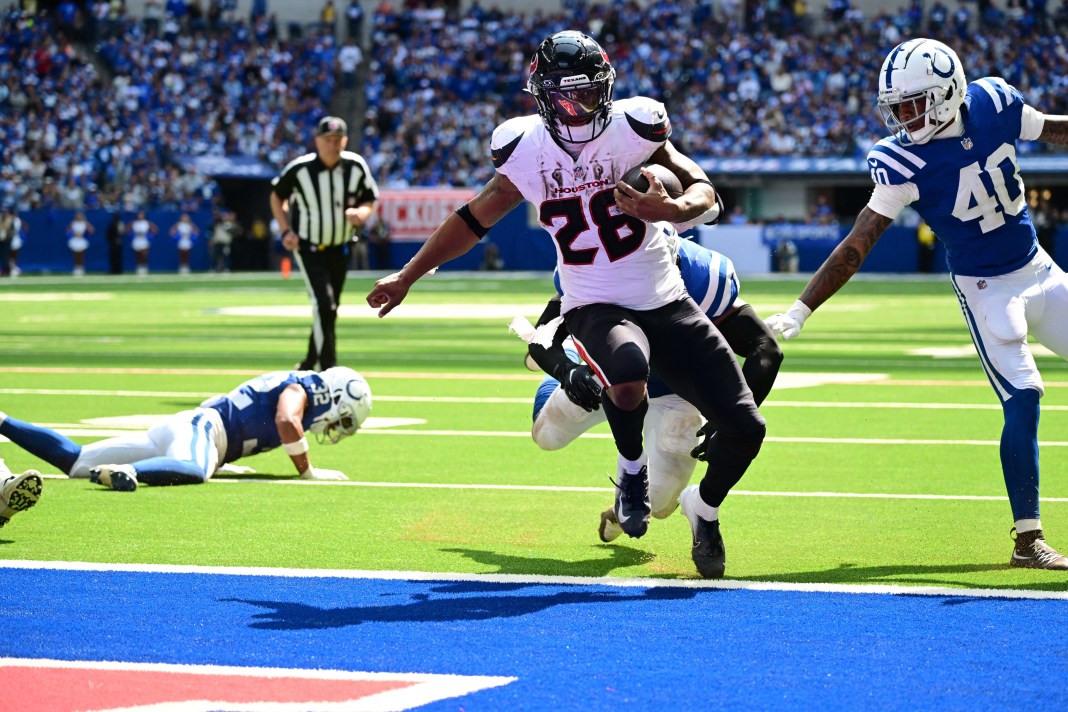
<point x="637" y="180"/>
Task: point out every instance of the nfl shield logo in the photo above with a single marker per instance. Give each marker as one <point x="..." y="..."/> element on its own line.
<point x="579" y="172"/>
<point x="967" y="143"/>
<point x="981" y="284"/>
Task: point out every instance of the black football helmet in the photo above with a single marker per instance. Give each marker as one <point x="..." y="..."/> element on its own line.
<point x="571" y="79"/>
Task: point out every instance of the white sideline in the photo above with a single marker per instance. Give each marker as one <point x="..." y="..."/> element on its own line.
<point x="606" y="581"/>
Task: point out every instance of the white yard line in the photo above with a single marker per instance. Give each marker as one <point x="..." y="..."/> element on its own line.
<point x="606" y="581"/>
<point x="595" y="490"/>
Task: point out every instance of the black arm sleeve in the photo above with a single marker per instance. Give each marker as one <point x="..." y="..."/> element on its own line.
<point x="552" y="360"/>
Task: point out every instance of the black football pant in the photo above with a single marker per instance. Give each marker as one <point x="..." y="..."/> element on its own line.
<point x="693" y="359"/>
<point x="324" y="274"/>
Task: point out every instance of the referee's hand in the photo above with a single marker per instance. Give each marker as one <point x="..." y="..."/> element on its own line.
<point x="388" y="292"/>
<point x="290" y="241"/>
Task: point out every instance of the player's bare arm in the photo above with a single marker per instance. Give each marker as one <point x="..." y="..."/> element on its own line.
<point x="1055" y="130"/>
<point x="846" y="258"/>
<point x="697" y="198"/>
<point x="288" y="418"/>
<point x="453" y="238"/>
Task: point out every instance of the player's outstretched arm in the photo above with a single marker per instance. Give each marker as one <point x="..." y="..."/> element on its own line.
<point x="453" y="238"/>
<point x="836" y="270"/>
<point x="1055" y="130"/>
<point x="288" y="418"/>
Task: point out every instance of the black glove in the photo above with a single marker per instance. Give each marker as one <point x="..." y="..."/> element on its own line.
<point x="581" y="386"/>
<point x="706" y="433"/>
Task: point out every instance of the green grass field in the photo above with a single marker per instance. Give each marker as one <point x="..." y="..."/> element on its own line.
<point x="897" y="405"/>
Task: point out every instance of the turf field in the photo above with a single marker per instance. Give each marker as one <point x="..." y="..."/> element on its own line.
<point x="880" y="474"/>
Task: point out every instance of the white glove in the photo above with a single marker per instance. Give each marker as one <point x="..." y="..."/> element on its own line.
<point x="319" y="473"/>
<point x="235" y="469"/>
<point x="788" y="325"/>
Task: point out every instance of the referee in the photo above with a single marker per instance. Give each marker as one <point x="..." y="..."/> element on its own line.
<point x="320" y="201"/>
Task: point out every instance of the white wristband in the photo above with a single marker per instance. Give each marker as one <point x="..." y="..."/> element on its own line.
<point x="297" y="447"/>
<point x="799" y="311"/>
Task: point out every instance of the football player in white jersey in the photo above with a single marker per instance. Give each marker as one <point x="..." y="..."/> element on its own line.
<point x="263" y="413"/>
<point x="567" y="402"/>
<point x="624" y="301"/>
<point x="951" y="134"/>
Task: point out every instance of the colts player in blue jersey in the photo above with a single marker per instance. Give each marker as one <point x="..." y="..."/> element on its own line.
<point x="272" y="410"/>
<point x="952" y="156"/>
<point x="567" y="403"/>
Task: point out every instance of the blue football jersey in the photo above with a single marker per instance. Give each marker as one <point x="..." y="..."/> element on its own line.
<point x="248" y="411"/>
<point x="970" y="190"/>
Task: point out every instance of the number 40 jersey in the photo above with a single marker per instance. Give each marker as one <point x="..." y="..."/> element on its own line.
<point x="966" y="185"/>
<point x="603" y="254"/>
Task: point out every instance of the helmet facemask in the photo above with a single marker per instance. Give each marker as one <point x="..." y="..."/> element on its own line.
<point x="914" y="118"/>
<point x="351" y="398"/>
<point x="572" y="81"/>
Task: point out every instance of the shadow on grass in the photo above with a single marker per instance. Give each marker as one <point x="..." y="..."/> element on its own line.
<point x="915" y="575"/>
<point x="619" y="557"/>
<point x="460" y="601"/>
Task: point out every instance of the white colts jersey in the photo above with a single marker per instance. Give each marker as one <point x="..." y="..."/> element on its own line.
<point x="603" y="254"/>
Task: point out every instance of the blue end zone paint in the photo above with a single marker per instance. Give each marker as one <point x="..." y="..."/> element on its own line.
<point x="572" y="647"/>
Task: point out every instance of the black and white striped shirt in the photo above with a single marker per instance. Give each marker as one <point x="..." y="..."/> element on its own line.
<point x="318" y="196"/>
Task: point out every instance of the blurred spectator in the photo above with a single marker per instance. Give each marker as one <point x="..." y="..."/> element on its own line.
<point x="491" y="258"/>
<point x="17" y="232"/>
<point x="328" y="17"/>
<point x="78" y="232"/>
<point x="379" y="233"/>
<point x="786" y="257"/>
<point x="185" y="233"/>
<point x="349" y="58"/>
<point x="9" y="228"/>
<point x="354" y="20"/>
<point x="1044" y="218"/>
<point x="142" y="229"/>
<point x="114" y="235"/>
<point x="222" y="240"/>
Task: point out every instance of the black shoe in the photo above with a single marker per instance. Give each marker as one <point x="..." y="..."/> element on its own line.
<point x="632" y="506"/>
<point x="708" y="552"/>
<point x="1032" y="552"/>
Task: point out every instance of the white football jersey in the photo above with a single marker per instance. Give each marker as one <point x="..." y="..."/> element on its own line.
<point x="603" y="254"/>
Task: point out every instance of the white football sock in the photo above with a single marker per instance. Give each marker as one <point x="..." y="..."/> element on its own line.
<point x="1027" y="525"/>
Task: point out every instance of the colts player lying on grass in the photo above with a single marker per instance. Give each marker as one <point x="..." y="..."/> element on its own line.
<point x="187" y="448"/>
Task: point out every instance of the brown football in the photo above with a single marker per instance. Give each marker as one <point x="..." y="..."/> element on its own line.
<point x="640" y="183"/>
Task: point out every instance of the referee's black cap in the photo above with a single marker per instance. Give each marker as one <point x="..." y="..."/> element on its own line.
<point x="332" y="125"/>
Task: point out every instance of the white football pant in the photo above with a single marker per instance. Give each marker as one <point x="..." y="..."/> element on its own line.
<point x="1000" y="312"/>
<point x="670" y="433"/>
<point x="176" y="437"/>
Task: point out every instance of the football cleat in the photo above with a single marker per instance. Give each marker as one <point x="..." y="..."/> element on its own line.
<point x="1032" y="552"/>
<point x="632" y="506"/>
<point x="121" y="478"/>
<point x="18" y="493"/>
<point x="609" y="530"/>
<point x="708" y="552"/>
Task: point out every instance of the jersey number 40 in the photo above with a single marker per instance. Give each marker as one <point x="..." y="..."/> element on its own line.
<point x="975" y="202"/>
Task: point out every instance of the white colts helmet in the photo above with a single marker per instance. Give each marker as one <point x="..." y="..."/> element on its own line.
<point x="350" y="398"/>
<point x="928" y="75"/>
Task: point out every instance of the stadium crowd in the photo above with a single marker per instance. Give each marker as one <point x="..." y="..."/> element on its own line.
<point x="97" y="107"/>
